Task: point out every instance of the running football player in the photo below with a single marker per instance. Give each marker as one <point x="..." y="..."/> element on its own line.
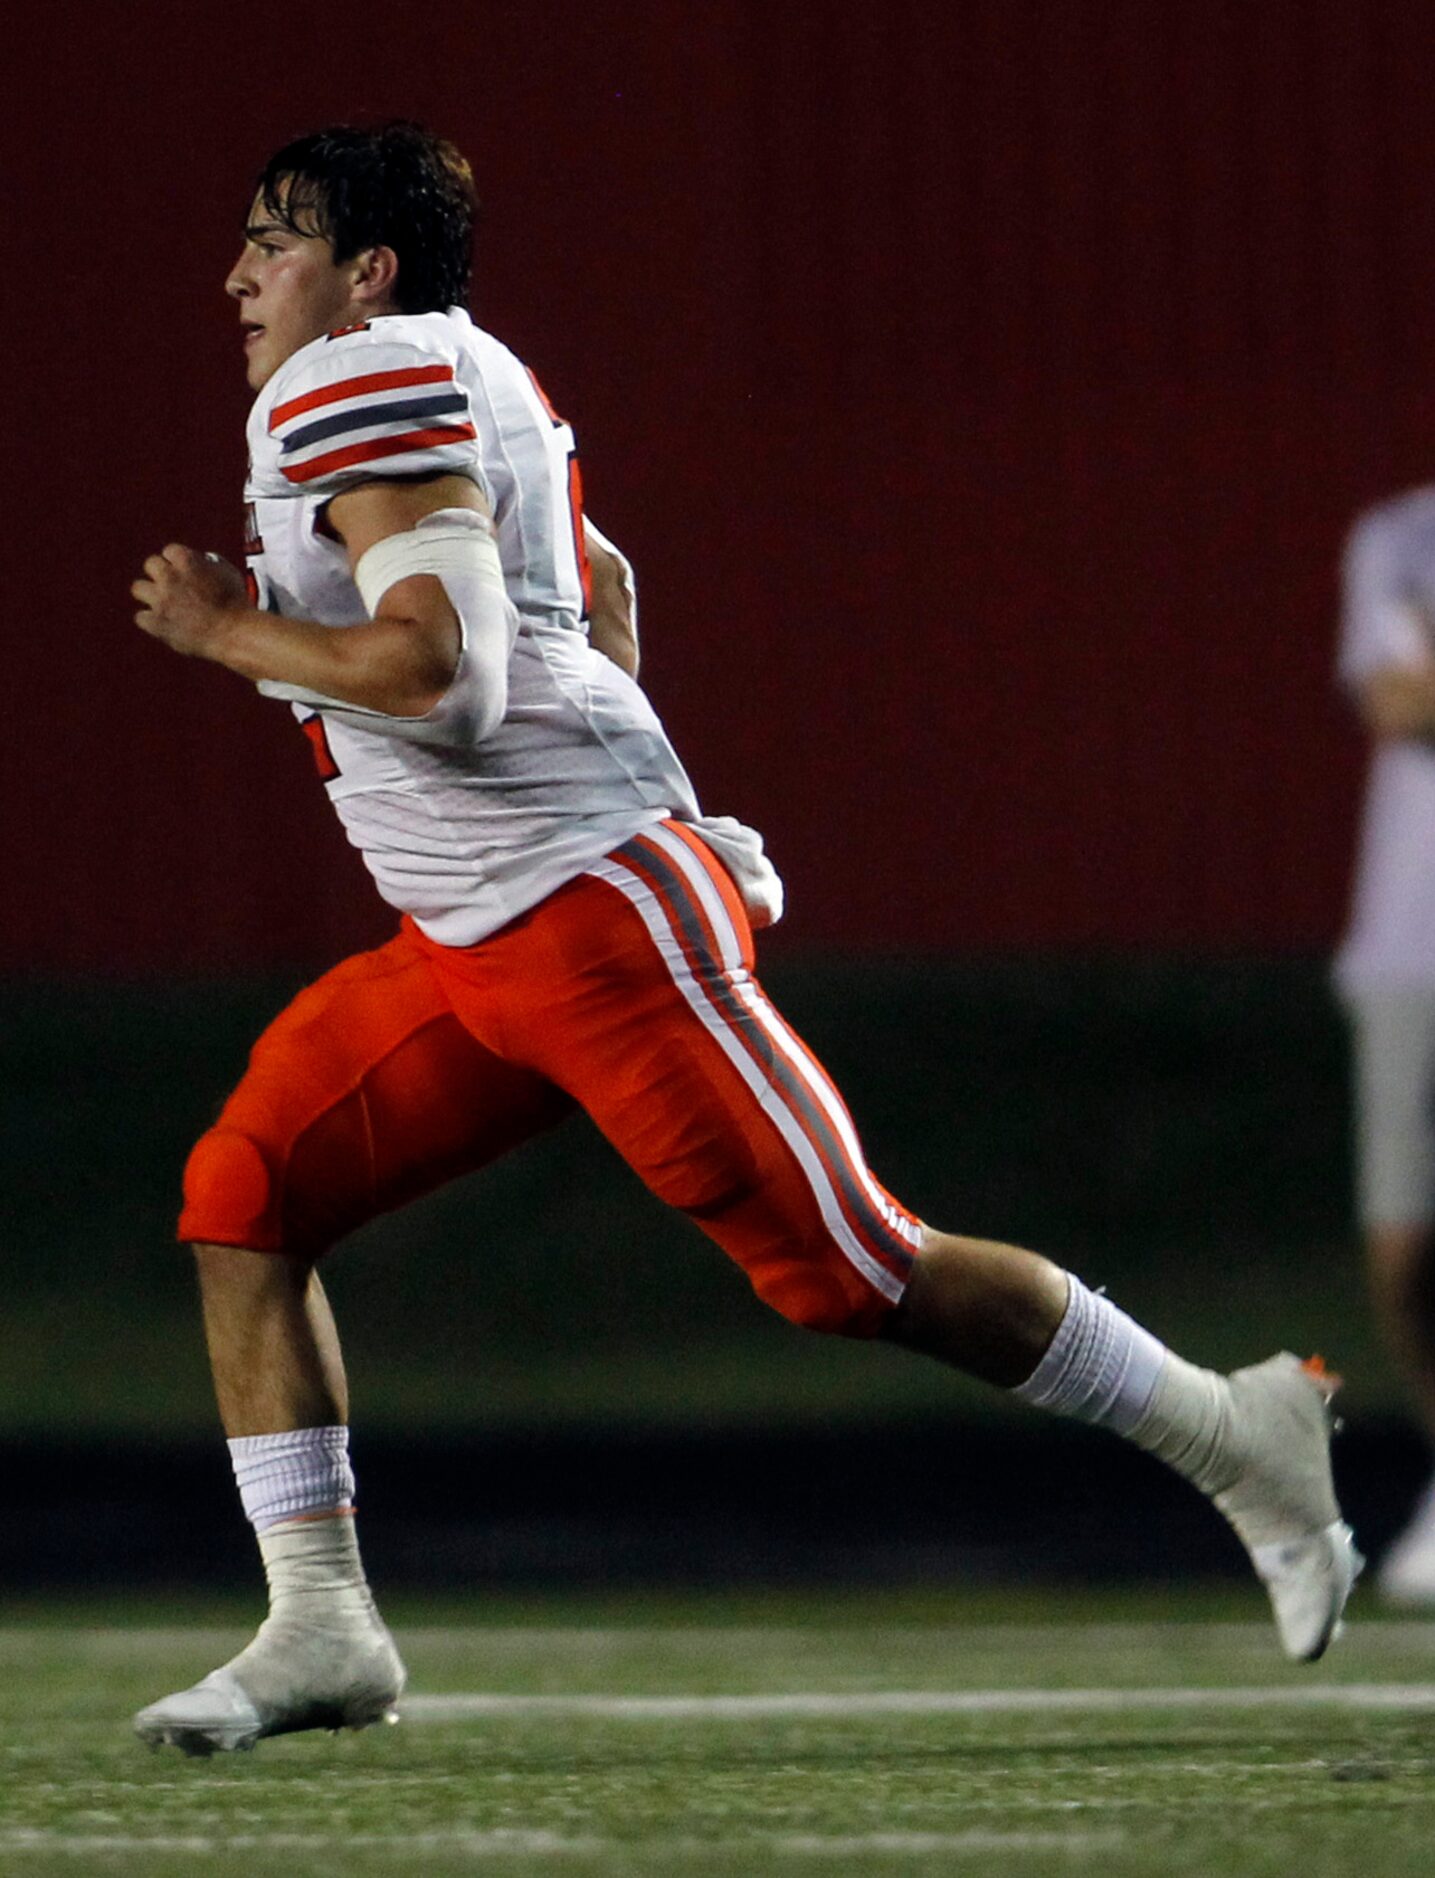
<point x="573" y="932"/>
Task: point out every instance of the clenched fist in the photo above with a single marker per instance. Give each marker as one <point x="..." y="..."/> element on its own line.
<point x="189" y="600"/>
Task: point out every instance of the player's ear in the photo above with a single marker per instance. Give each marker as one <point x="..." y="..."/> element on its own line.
<point x="376" y="273"/>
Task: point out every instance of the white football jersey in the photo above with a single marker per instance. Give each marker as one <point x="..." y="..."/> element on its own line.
<point x="463" y="839"/>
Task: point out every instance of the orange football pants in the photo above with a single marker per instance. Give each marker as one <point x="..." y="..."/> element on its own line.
<point x="629" y="993"/>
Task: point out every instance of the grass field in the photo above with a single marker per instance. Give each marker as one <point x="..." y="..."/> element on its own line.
<point x="1132" y="1733"/>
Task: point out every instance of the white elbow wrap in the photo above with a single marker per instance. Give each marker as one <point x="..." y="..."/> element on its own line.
<point x="458" y="548"/>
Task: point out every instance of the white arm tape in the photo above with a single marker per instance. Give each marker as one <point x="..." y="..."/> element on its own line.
<point x="457" y="547"/>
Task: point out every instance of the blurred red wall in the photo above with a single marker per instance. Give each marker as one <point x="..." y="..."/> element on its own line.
<point x="982" y="389"/>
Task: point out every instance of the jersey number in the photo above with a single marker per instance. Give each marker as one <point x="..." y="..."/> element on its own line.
<point x="315" y="730"/>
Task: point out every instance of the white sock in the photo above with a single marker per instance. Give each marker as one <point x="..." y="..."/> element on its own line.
<point x="298" y="1492"/>
<point x="1102" y="1367"/>
<point x="286" y="1476"/>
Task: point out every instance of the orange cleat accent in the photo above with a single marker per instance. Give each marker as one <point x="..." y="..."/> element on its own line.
<point x="1328" y="1381"/>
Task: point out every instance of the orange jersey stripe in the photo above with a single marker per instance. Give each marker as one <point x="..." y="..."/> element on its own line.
<point x="358" y="388"/>
<point x="580" y="540"/>
<point x="378" y="447"/>
<point x="543" y="397"/>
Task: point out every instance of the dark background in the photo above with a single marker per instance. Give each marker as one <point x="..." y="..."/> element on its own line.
<point x="983" y="391"/>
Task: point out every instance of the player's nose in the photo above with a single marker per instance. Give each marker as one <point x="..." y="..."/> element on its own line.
<point x="238" y="285"/>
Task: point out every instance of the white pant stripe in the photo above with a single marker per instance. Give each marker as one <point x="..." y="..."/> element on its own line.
<point x="700" y="880"/>
<point x="771" y="1101"/>
<point x="833" y="1106"/>
<point x="778" y="1031"/>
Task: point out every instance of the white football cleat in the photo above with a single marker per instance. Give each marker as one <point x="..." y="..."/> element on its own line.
<point x="1407" y="1572"/>
<point x="1282" y="1501"/>
<point x="289" y="1678"/>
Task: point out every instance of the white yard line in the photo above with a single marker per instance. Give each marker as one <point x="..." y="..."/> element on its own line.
<point x="1412" y="1639"/>
<point x="1387" y="1633"/>
<point x="496" y="1843"/>
<point x="1409" y="1698"/>
<point x="508" y="1843"/>
<point x="1409" y="1643"/>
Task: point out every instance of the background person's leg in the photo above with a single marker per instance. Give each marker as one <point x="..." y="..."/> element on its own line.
<point x="1400" y="1271"/>
<point x="1393" y="1063"/>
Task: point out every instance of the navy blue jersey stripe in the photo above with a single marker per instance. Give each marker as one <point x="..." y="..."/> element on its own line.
<point x="400" y="411"/>
<point x="806" y="1110"/>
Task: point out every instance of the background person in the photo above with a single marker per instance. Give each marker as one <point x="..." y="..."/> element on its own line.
<point x="1386" y="966"/>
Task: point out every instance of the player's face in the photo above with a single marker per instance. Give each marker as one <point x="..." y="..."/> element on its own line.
<point x="290" y="290"/>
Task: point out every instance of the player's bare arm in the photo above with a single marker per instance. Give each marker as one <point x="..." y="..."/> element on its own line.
<point x="402" y="661"/>
<point x="613" y="618"/>
<point x="399" y="663"/>
<point x="1399" y="701"/>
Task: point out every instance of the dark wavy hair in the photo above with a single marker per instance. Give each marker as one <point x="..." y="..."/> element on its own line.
<point x="397" y="186"/>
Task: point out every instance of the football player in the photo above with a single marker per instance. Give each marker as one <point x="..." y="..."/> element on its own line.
<point x="574" y="932"/>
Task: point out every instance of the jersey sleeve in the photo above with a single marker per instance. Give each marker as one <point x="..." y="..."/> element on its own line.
<point x="353" y="407"/>
<point x="1382" y="623"/>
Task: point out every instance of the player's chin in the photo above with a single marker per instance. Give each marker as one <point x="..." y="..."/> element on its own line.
<point x="262" y="359"/>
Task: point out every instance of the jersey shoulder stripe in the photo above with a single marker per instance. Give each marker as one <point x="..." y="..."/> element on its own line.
<point x="391" y="411"/>
<point x="391" y="399"/>
<point x="361" y="384"/>
<point x="375" y="448"/>
<point x="367" y="417"/>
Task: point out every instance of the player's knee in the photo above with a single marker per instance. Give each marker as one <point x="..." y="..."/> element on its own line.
<point x="231" y="1193"/>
